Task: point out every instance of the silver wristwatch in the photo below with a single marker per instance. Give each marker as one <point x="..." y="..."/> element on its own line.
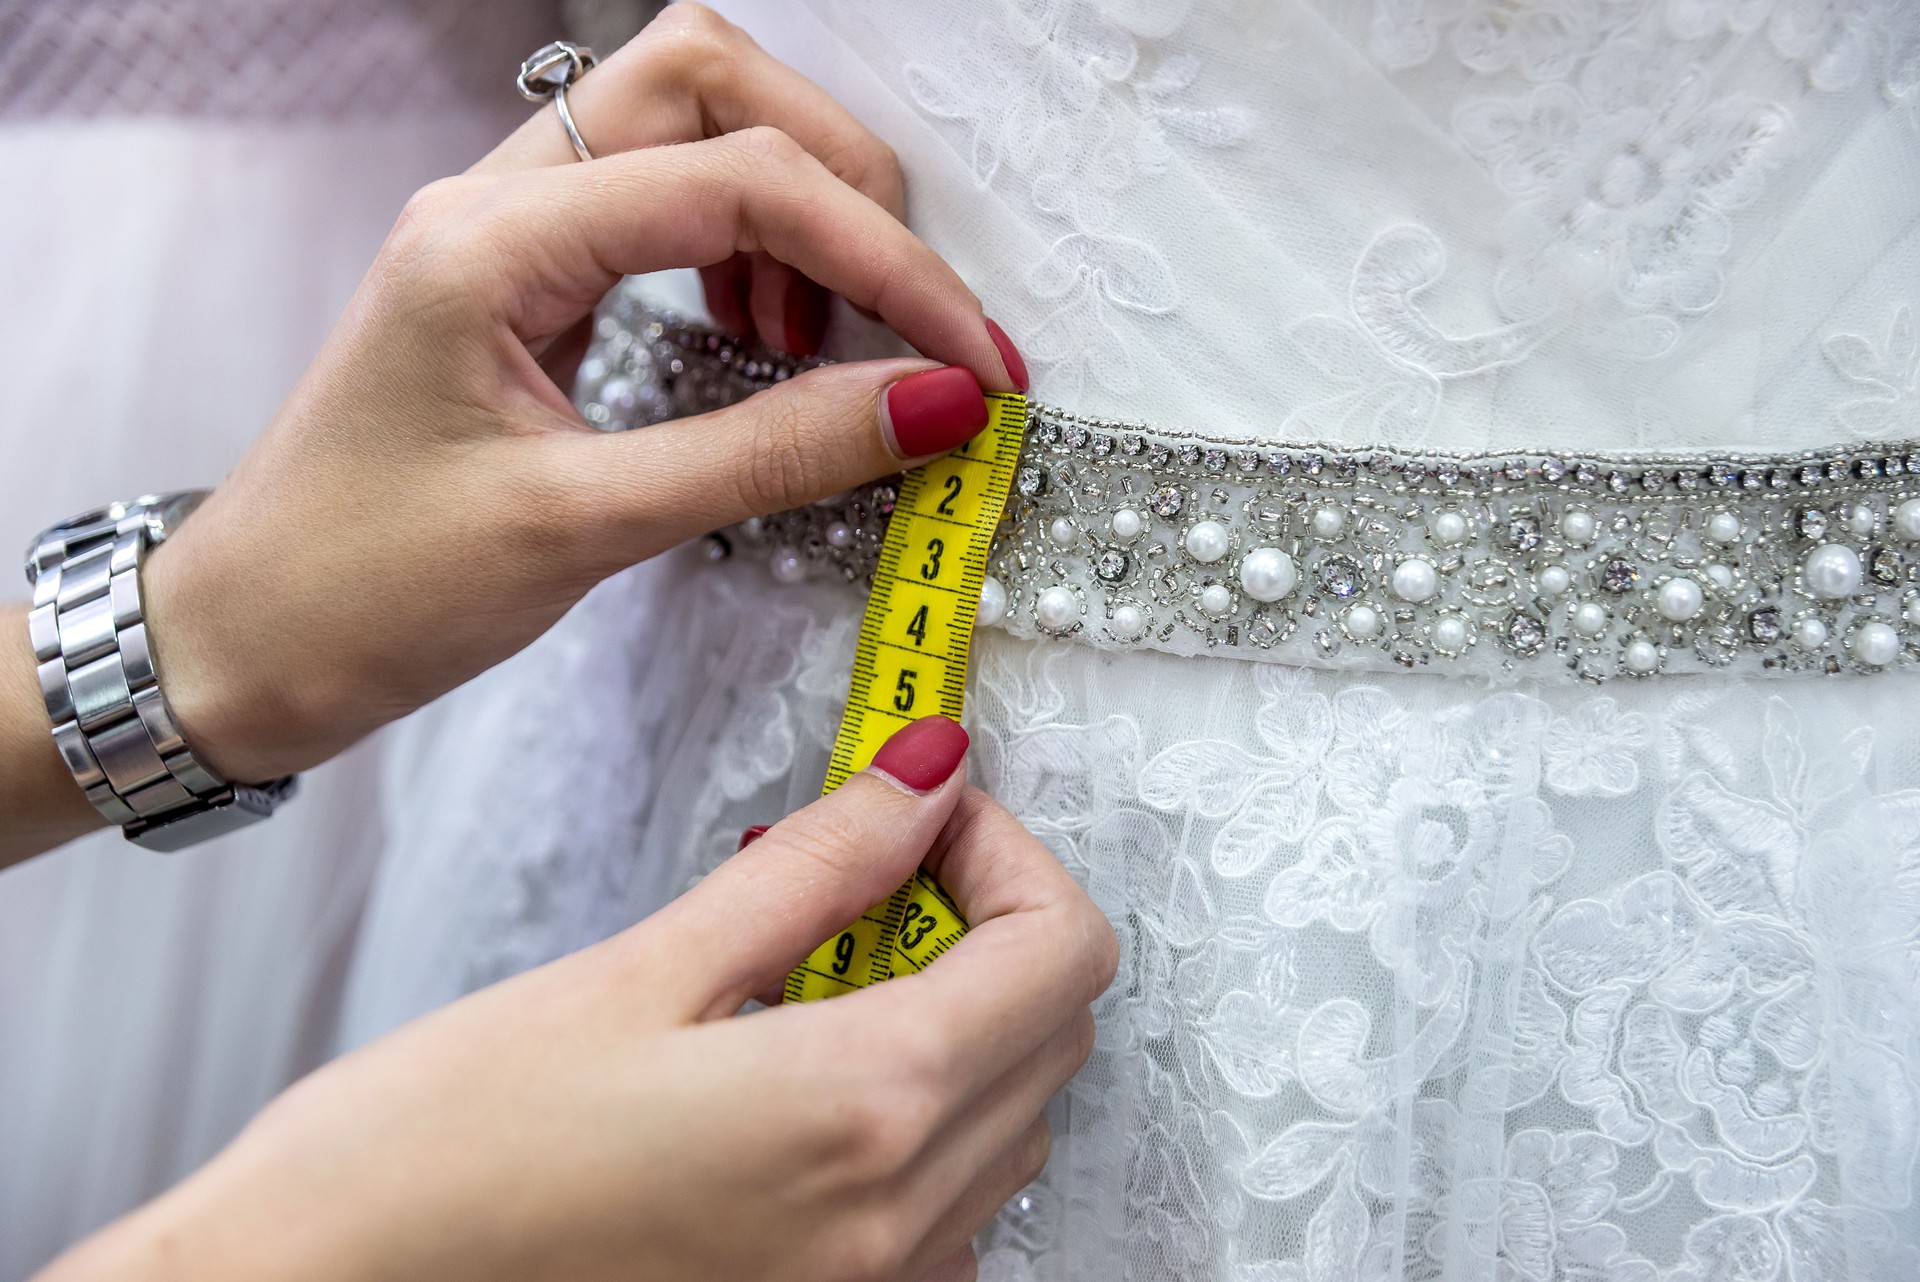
<point x="111" y="723"/>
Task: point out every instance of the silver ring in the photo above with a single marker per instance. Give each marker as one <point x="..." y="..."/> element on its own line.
<point x="547" y="74"/>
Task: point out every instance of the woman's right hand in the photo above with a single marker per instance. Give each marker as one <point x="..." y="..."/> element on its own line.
<point x="604" y="1117"/>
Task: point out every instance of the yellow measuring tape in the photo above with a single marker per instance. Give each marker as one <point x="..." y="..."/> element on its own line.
<point x="911" y="663"/>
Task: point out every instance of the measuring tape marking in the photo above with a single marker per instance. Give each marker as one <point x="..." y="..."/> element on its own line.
<point x="914" y="649"/>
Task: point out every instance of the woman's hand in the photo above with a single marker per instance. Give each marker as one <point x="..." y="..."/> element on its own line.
<point x="602" y="1117"/>
<point x="427" y="501"/>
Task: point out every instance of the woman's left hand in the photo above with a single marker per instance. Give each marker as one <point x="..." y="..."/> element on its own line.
<point x="427" y="501"/>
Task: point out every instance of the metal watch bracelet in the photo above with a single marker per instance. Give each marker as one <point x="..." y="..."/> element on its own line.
<point x="111" y="723"/>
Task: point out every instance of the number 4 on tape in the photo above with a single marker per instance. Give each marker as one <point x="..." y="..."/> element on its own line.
<point x="911" y="662"/>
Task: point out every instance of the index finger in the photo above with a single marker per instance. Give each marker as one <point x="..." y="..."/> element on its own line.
<point x="1037" y="952"/>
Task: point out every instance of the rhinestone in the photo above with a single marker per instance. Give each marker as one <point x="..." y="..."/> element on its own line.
<point x="1077" y="436"/>
<point x="1812" y="524"/>
<point x="1752" y="480"/>
<point x="1279" y="464"/>
<point x="1892" y="465"/>
<point x="1216" y="460"/>
<point x="1030" y="481"/>
<point x="1586" y="474"/>
<point x="1047" y="434"/>
<point x="1102" y="446"/>
<point x="1809" y="474"/>
<point x="1619" y="575"/>
<point x="1617" y="482"/>
<point x="1552" y="472"/>
<point x="1866" y="469"/>
<point x="1188" y="455"/>
<point x="1111" y="565"/>
<point x="1779" y="478"/>
<point x="1837" y="470"/>
<point x="1167" y="501"/>
<point x="1687" y="481"/>
<point x="1314" y="464"/>
<point x="1448" y="476"/>
<point x="1247" y="461"/>
<point x="1764" y="626"/>
<point x="1885" y="563"/>
<point x="1913" y="463"/>
<point x="1133" y="445"/>
<point x="1158" y="456"/>
<point x="1651" y="481"/>
<point x="1340" y="575"/>
<point x="1516" y="471"/>
<point x="1523" y="533"/>
<point x="1525" y="633"/>
<point x="1720" y="476"/>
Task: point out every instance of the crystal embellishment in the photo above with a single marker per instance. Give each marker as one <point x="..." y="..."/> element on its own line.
<point x="1576" y="567"/>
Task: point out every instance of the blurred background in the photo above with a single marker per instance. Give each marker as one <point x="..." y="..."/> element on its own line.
<point x="193" y="188"/>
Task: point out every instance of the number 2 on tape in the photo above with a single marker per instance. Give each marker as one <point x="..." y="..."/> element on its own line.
<point x="912" y="662"/>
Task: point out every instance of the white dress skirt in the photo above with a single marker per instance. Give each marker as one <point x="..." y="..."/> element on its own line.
<point x="1491" y="726"/>
<point x="193" y="191"/>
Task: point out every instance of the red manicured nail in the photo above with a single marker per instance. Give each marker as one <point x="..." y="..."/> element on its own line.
<point x="1009" y="354"/>
<point x="805" y="317"/>
<point x="933" y="411"/>
<point x="923" y="754"/>
<point x="752" y="835"/>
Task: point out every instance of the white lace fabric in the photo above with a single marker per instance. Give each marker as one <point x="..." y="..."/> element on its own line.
<point x="1423" y="979"/>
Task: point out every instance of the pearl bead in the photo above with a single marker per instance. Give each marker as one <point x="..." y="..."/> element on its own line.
<point x="1268" y="574"/>
<point x="753" y="527"/>
<point x="1415" y="580"/>
<point x="1127" y="524"/>
<point x="1860" y="520"/>
<point x="1679" y="599"/>
<point x="1810" y="634"/>
<point x="1590" y="618"/>
<point x="1642" y="657"/>
<point x="1906" y="519"/>
<point x="1207" y="541"/>
<point x="1554" y="580"/>
<point x="993" y="602"/>
<point x="1215" y="599"/>
<point x="1912" y="612"/>
<point x="1832" y="570"/>
<point x="1055" y="608"/>
<point x="1129" y="622"/>
<point x="1876" y="644"/>
<point x="1720" y="576"/>
<point x="1723" y="527"/>
<point x="1363" y="622"/>
<point x="840" y="534"/>
<point x="786" y="565"/>
<point x="1449" y="527"/>
<point x="1328" y="522"/>
<point x="1578" y="526"/>
<point x="1061" y="532"/>
<point x="1450" y="632"/>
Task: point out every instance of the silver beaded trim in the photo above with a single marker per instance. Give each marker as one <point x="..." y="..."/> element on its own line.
<point x="1125" y="537"/>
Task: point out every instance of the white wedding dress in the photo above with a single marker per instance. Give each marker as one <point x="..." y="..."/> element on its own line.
<point x="1517" y="861"/>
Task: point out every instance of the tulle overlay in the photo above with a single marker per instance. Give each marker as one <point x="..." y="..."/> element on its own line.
<point x="1424" y="977"/>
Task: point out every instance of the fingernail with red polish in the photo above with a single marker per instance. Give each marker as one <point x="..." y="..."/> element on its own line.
<point x="933" y="411"/>
<point x="805" y="317"/>
<point x="752" y="835"/>
<point x="923" y="754"/>
<point x="1009" y="354"/>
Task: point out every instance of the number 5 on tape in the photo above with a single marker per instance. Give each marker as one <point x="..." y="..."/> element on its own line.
<point x="911" y="662"/>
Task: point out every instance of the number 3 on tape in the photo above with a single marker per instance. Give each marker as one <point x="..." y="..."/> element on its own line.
<point x="912" y="662"/>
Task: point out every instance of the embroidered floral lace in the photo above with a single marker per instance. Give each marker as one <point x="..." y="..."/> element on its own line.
<point x="1440" y="962"/>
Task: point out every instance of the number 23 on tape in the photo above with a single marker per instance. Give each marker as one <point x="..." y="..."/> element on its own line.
<point x="912" y="661"/>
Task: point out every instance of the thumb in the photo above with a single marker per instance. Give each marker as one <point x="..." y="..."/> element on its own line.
<point x="823" y="432"/>
<point x="760" y="913"/>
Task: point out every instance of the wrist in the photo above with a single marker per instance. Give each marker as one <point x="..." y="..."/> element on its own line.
<point x="42" y="805"/>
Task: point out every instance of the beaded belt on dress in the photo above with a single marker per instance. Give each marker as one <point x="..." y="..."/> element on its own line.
<point x="1521" y="565"/>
